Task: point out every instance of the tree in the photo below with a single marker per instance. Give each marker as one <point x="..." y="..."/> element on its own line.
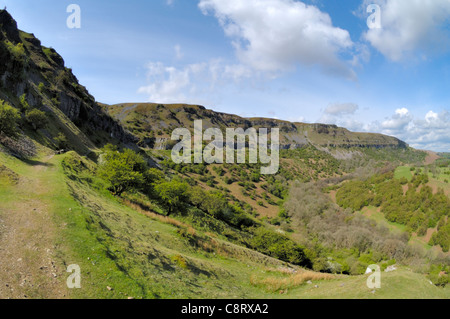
<point x="36" y="118"/>
<point x="173" y="195"/>
<point x="123" y="171"/>
<point x="278" y="246"/>
<point x="9" y="117"/>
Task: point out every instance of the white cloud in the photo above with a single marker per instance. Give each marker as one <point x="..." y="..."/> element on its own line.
<point x="431" y="132"/>
<point x="341" y="114"/>
<point x="402" y="112"/>
<point x="411" y="27"/>
<point x="338" y="109"/>
<point x="194" y="83"/>
<point x="398" y="122"/>
<point x="276" y="35"/>
<point x="169" y="84"/>
<point x="431" y="117"/>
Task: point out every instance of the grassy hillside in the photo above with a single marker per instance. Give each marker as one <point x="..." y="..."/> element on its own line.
<point x="141" y="254"/>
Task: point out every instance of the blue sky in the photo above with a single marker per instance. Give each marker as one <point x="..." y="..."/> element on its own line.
<point x="309" y="61"/>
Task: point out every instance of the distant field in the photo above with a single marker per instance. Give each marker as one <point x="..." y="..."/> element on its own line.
<point x="375" y="214"/>
<point x="404" y="171"/>
<point x="439" y="180"/>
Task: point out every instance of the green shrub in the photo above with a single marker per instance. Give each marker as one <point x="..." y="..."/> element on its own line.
<point x="56" y="101"/>
<point x="123" y="171"/>
<point x="61" y="141"/>
<point x="442" y="238"/>
<point x="173" y="195"/>
<point x="255" y="177"/>
<point x="24" y="103"/>
<point x="9" y="117"/>
<point x="41" y="87"/>
<point x="18" y="51"/>
<point x="36" y="118"/>
<point x="278" y="246"/>
<point x="438" y="275"/>
<point x="180" y="261"/>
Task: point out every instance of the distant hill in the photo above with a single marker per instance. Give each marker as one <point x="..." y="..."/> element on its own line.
<point x="153" y="124"/>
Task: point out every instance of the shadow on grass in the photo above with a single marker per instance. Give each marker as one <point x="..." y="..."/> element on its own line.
<point x="35" y="163"/>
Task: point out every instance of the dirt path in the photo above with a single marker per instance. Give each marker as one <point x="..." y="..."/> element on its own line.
<point x="27" y="262"/>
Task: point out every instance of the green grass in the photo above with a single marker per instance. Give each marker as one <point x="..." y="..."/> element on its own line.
<point x="404" y="171"/>
<point x="439" y="179"/>
<point x="373" y="213"/>
<point x="137" y="256"/>
<point x="401" y="284"/>
<point x="143" y="257"/>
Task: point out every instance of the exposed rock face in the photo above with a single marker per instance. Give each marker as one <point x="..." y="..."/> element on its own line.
<point x="22" y="74"/>
<point x="165" y="118"/>
<point x="9" y="26"/>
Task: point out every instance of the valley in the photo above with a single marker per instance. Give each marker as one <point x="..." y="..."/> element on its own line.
<point x="95" y="185"/>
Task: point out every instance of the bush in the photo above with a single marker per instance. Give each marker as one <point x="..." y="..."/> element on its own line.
<point x="9" y="117"/>
<point x="61" y="141"/>
<point x="24" y="103"/>
<point x="438" y="274"/>
<point x="229" y="181"/>
<point x="123" y="171"/>
<point x="278" y="246"/>
<point x="173" y="195"/>
<point x="55" y="101"/>
<point x="442" y="238"/>
<point x="18" y="51"/>
<point x="36" y="118"/>
<point x="41" y="87"/>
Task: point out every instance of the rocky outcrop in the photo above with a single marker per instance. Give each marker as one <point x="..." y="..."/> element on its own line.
<point x="9" y="27"/>
<point x="165" y="118"/>
<point x="41" y="75"/>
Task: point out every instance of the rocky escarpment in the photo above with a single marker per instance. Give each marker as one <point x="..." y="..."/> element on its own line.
<point x="153" y="123"/>
<point x="39" y="73"/>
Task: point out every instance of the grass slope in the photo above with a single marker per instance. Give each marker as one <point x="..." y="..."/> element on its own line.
<point x="124" y="253"/>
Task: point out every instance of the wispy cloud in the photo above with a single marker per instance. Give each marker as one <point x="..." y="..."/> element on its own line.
<point x="192" y="83"/>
